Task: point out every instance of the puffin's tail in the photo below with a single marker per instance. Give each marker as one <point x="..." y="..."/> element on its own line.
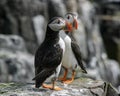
<point x="84" y="71"/>
<point x="41" y="77"/>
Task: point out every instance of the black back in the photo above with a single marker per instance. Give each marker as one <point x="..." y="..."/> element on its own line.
<point x="47" y="57"/>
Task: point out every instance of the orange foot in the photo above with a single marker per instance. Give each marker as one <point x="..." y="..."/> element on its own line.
<point x="62" y="79"/>
<point x="68" y="81"/>
<point x="51" y="87"/>
<point x="64" y="76"/>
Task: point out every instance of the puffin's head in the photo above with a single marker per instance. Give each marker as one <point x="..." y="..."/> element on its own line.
<point x="72" y="19"/>
<point x="58" y="23"/>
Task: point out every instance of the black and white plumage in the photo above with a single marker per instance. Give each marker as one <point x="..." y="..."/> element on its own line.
<point x="79" y="35"/>
<point x="72" y="18"/>
<point x="49" y="55"/>
<point x="72" y="57"/>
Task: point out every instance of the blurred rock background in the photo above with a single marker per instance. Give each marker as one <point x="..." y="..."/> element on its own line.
<point x="22" y="30"/>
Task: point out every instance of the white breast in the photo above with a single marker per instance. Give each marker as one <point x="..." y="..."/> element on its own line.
<point x="69" y="60"/>
<point x="62" y="44"/>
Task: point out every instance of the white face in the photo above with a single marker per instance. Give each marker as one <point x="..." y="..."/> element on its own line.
<point x="70" y="18"/>
<point x="57" y="24"/>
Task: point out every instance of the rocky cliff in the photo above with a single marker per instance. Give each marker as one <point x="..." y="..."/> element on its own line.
<point x="80" y="87"/>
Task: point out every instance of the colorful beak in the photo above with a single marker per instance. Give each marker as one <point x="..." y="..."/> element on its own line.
<point x="68" y="27"/>
<point x="75" y="24"/>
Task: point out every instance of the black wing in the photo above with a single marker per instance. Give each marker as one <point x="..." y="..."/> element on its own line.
<point x="77" y="54"/>
<point x="46" y="62"/>
<point x="48" y="57"/>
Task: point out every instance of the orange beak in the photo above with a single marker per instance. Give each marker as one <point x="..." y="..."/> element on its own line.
<point x="68" y="26"/>
<point x="75" y="24"/>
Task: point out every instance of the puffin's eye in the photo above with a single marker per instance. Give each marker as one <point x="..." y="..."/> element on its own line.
<point x="58" y="22"/>
<point x="68" y="17"/>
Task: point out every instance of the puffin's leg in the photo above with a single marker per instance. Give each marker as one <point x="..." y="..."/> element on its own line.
<point x="55" y="87"/>
<point x="65" y="75"/>
<point x="70" y="80"/>
<point x="52" y="87"/>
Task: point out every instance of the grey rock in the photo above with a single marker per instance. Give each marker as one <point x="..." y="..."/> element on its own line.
<point x="111" y="91"/>
<point x="16" y="64"/>
<point x="26" y="28"/>
<point x="18" y="19"/>
<point x="109" y="27"/>
<point x="80" y="87"/>
<point x="27" y="33"/>
<point x="39" y="26"/>
<point x="55" y="8"/>
<point x="71" y="5"/>
<point x="106" y="69"/>
<point x="108" y="1"/>
<point x="12" y="43"/>
<point x="99" y="63"/>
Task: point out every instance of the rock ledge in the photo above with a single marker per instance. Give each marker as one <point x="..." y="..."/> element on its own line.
<point x="80" y="87"/>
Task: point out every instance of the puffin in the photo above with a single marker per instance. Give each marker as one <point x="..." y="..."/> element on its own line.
<point x="72" y="56"/>
<point x="49" y="55"/>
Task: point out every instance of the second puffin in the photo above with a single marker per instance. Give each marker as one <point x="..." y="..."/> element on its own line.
<point x="72" y="57"/>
